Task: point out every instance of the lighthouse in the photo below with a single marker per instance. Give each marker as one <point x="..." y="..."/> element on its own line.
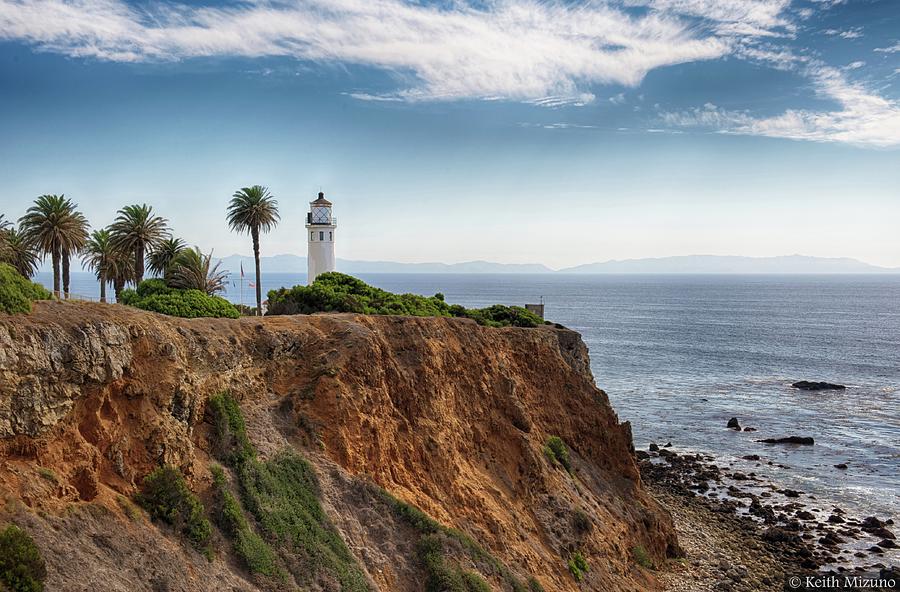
<point x="321" y="226"/>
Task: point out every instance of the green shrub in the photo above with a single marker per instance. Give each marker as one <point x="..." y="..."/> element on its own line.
<point x="433" y="535"/>
<point x="556" y="450"/>
<point x="582" y="522"/>
<point x="578" y="566"/>
<point x="336" y="292"/>
<point x="166" y="497"/>
<point x="257" y="556"/>
<point x="48" y="474"/>
<point x="443" y="577"/>
<point x="641" y="557"/>
<point x="534" y="585"/>
<point x="17" y="293"/>
<point x="283" y="495"/>
<point x="22" y="568"/>
<point x="231" y="431"/>
<point x="132" y="511"/>
<point x="155" y="296"/>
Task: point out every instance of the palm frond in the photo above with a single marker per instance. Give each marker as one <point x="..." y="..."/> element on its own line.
<point x="164" y="254"/>
<point x="193" y="270"/>
<point x="253" y="208"/>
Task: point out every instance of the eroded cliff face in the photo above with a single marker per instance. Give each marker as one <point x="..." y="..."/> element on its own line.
<point x="446" y="415"/>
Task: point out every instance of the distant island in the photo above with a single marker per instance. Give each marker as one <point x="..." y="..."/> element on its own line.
<point x="701" y="264"/>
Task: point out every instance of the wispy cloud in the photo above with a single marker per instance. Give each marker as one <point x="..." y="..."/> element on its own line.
<point x="516" y="49"/>
<point x="892" y="49"/>
<point x="543" y="52"/>
<point x="853" y="33"/>
<point x="863" y="119"/>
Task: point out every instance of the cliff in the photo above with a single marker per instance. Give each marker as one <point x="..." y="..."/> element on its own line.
<point x="446" y="415"/>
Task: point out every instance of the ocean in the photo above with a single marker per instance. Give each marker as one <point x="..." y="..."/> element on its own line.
<point x="679" y="355"/>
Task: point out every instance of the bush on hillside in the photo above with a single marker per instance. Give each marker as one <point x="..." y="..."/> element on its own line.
<point x="22" y="568"/>
<point x="167" y="497"/>
<point x="337" y="292"/>
<point x="154" y="295"/>
<point x="282" y="494"/>
<point x="16" y="292"/>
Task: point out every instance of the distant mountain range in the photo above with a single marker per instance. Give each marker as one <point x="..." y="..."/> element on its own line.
<point x="720" y="264"/>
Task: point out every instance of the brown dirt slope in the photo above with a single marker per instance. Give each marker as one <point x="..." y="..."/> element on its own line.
<point x="446" y="415"/>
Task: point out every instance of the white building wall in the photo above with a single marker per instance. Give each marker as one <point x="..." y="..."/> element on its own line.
<point x="320" y="253"/>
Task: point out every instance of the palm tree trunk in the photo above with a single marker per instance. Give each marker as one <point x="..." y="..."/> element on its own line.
<point x="65" y="273"/>
<point x="103" y="287"/>
<point x="118" y="286"/>
<point x="55" y="256"/>
<point x="139" y="263"/>
<point x="254" y="232"/>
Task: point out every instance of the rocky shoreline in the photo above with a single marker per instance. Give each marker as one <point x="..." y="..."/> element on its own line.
<point x="742" y="534"/>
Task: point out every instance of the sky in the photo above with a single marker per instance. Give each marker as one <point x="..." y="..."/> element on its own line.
<point x="521" y="131"/>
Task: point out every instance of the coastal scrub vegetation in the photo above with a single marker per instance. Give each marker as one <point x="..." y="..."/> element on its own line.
<point x="578" y="566"/>
<point x="557" y="451"/>
<point x="22" y="568"/>
<point x="155" y="295"/>
<point x="337" y="292"/>
<point x="282" y="495"/>
<point x="16" y="292"/>
<point x="641" y="557"/>
<point x="167" y="497"/>
<point x="255" y="553"/>
<point x="434" y="548"/>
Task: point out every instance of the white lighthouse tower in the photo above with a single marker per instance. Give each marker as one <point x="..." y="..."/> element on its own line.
<point x="321" y="226"/>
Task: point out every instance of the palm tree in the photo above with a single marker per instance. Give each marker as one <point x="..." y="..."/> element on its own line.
<point x="193" y="270"/>
<point x="253" y="210"/>
<point x="53" y="227"/>
<point x="5" y="226"/>
<point x="121" y="270"/>
<point x="72" y="245"/>
<point x="16" y="250"/>
<point x="99" y="256"/>
<point x="163" y="254"/>
<point x="136" y="230"/>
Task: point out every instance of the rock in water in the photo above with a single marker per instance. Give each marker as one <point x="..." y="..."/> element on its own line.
<point x="733" y="424"/>
<point x="806" y="385"/>
<point x="790" y="440"/>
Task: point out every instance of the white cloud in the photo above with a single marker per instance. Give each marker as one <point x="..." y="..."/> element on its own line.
<point x="756" y="18"/>
<point x="892" y="49"/>
<point x="515" y="49"/>
<point x="853" y="33"/>
<point x="863" y="119"/>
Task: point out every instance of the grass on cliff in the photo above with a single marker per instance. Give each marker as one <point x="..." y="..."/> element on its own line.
<point x="255" y="553"/>
<point x="435" y="543"/>
<point x="557" y="452"/>
<point x="578" y="566"/>
<point x="642" y="558"/>
<point x="337" y="292"/>
<point x="17" y="293"/>
<point x="22" y="568"/>
<point x="166" y="496"/>
<point x="282" y="494"/>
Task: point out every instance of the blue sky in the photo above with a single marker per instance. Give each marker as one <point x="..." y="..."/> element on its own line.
<point x="508" y="130"/>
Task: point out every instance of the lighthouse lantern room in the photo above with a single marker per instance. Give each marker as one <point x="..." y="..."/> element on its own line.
<point x="320" y="225"/>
